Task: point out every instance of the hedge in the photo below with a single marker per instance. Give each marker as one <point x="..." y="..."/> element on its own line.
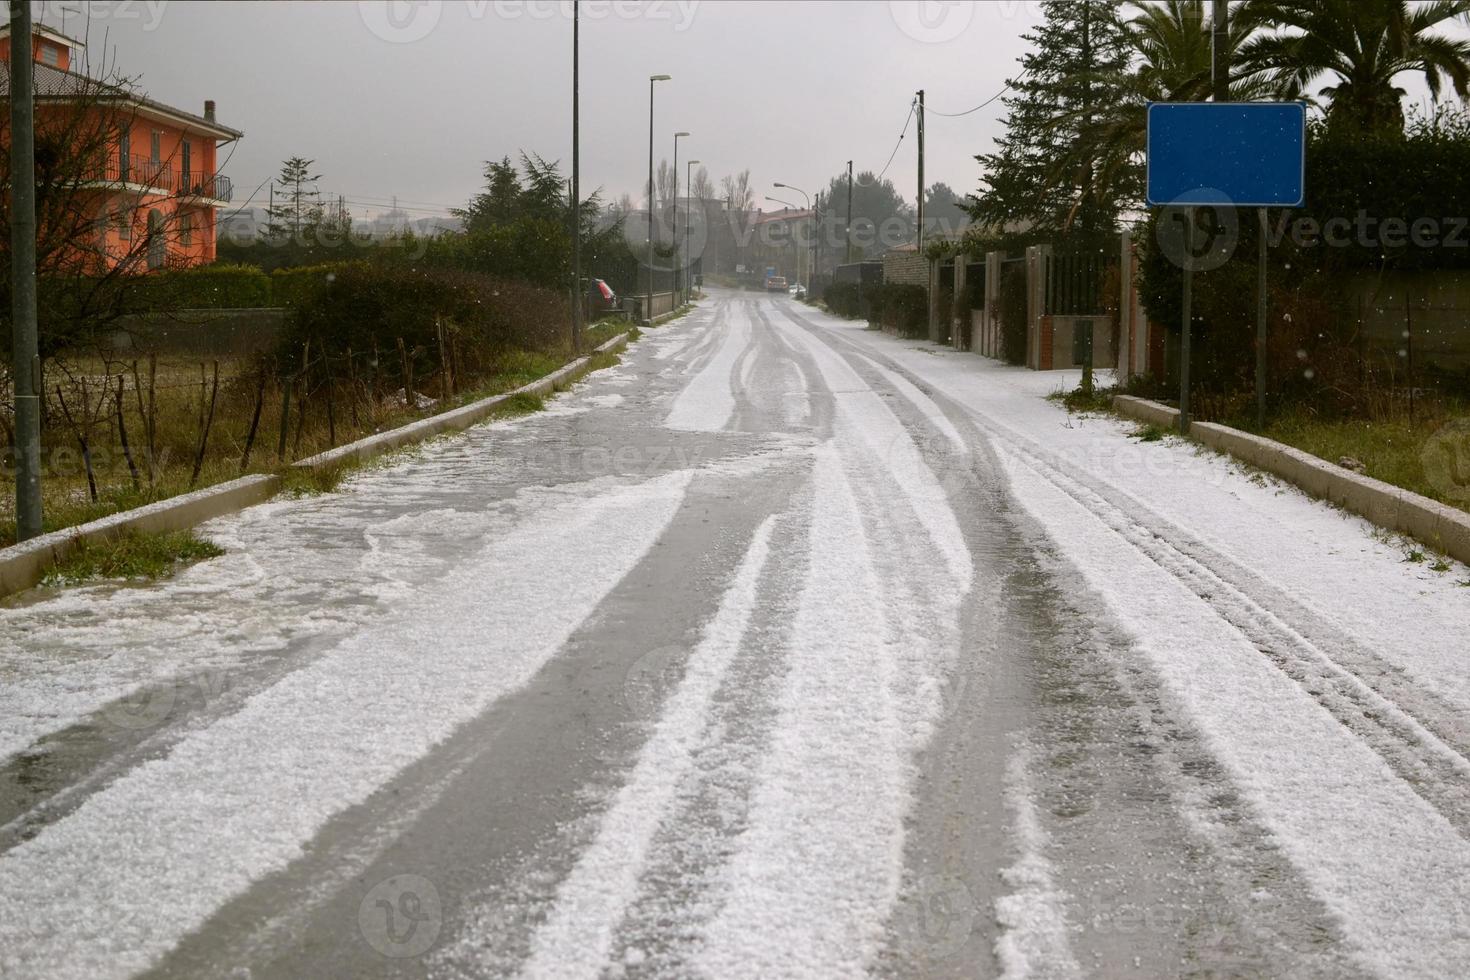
<point x="295" y="286"/>
<point x="207" y="287"/>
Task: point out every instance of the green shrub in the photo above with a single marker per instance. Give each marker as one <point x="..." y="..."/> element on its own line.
<point x="208" y="287"/>
<point x="372" y="306"/>
<point x="901" y="307"/>
<point x="291" y="287"/>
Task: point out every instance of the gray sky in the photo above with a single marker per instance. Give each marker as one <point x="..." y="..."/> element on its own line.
<point x="410" y="98"/>
<point x="790" y="90"/>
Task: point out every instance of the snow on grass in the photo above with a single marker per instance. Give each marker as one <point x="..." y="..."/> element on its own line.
<point x="1033" y="914"/>
<point x="707" y="402"/>
<point x="110" y="888"/>
<point x="578" y="933"/>
<point x="819" y="866"/>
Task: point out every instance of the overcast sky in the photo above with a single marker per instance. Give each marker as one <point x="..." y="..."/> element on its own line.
<point x="409" y="98"/>
<point x="790" y="90"/>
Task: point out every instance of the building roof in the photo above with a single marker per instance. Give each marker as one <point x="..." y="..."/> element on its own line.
<point x="47" y="32"/>
<point x="57" y="85"/>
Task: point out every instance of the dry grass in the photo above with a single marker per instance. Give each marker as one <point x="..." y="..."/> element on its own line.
<point x="334" y="415"/>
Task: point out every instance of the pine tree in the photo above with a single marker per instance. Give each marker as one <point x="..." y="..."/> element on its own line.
<point x="498" y="203"/>
<point x="298" y="209"/>
<point x="1044" y="170"/>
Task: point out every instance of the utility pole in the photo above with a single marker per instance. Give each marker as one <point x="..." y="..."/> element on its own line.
<point x="578" y="293"/>
<point x="919" y="234"/>
<point x="652" y="196"/>
<point x="849" y="212"/>
<point x="26" y="366"/>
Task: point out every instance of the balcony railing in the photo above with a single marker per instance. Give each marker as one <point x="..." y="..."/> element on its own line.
<point x="166" y="179"/>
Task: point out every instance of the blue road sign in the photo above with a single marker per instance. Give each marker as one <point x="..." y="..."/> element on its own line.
<point x="1250" y="154"/>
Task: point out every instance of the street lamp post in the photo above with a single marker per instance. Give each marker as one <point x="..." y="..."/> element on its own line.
<point x="674" y="233"/>
<point x="810" y="264"/>
<point x="648" y="309"/>
<point x="26" y="364"/>
<point x="688" y="185"/>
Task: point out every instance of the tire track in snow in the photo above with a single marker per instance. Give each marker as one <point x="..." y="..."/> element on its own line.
<point x="707" y="402"/>
<point x="1371" y="888"/>
<point x="577" y="935"/>
<point x="819" y="865"/>
<point x="112" y="887"/>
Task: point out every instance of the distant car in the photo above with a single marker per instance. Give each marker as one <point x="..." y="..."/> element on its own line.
<point x="776" y="284"/>
<point x="601" y="299"/>
<point x="796" y="289"/>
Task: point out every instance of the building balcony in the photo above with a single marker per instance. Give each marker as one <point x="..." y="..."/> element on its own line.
<point x="148" y="176"/>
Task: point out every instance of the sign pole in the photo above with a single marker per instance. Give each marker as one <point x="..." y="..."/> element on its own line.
<point x="1188" y="315"/>
<point x="1261" y="322"/>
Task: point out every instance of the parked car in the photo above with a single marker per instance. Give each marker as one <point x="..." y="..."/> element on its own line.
<point x="776" y="284"/>
<point x="601" y="300"/>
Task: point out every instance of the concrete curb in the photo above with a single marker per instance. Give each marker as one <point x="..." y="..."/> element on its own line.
<point x="1437" y="525"/>
<point x="22" y="566"/>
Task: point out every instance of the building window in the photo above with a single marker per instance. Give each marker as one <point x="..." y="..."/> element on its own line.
<point x="157" y="245"/>
<point x="124" y="224"/>
<point x="125" y="154"/>
<point x="50" y="55"/>
<point x="186" y="164"/>
<point x="155" y="147"/>
<point x="186" y="228"/>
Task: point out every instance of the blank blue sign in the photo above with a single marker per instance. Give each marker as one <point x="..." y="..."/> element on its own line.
<point x="1250" y="154"/>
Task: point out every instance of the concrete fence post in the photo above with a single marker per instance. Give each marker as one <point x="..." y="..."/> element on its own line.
<point x="991" y="317"/>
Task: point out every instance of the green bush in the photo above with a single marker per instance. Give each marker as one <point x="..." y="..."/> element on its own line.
<point x="208" y="287"/>
<point x="294" y="286"/>
<point x="372" y="306"/>
<point x="901" y="307"/>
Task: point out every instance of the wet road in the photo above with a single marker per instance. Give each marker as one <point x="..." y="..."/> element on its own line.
<point x="740" y="660"/>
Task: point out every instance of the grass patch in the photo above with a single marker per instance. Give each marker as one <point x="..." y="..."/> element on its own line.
<point x="521" y="403"/>
<point x="1149" y="433"/>
<point x="1391" y="451"/>
<point x="131" y="555"/>
<point x="1097" y="401"/>
<point x="312" y="481"/>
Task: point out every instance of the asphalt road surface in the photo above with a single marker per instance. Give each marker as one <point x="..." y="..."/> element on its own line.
<point x="743" y="659"/>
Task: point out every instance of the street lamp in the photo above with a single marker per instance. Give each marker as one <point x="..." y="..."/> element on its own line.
<point x="811" y="261"/>
<point x="648" y="310"/>
<point x="674" y="233"/>
<point x="688" y="183"/>
<point x="794" y="247"/>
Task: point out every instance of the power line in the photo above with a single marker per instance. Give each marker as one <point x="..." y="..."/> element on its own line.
<point x="901" y="135"/>
<point x="982" y="105"/>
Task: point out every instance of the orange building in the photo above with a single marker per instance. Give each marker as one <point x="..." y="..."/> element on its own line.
<point x="144" y="187"/>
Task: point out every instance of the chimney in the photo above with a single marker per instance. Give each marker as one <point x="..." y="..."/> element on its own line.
<point x="209" y="109"/>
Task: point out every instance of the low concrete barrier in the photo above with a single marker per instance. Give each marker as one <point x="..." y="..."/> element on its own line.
<point x="1394" y="508"/>
<point x="23" y="566"/>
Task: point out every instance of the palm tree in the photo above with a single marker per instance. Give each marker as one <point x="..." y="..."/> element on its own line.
<point x="1364" y="45"/>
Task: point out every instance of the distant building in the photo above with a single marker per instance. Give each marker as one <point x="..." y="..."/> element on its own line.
<point x="153" y="192"/>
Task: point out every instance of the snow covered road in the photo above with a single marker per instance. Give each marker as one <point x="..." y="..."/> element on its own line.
<point x="783" y="649"/>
